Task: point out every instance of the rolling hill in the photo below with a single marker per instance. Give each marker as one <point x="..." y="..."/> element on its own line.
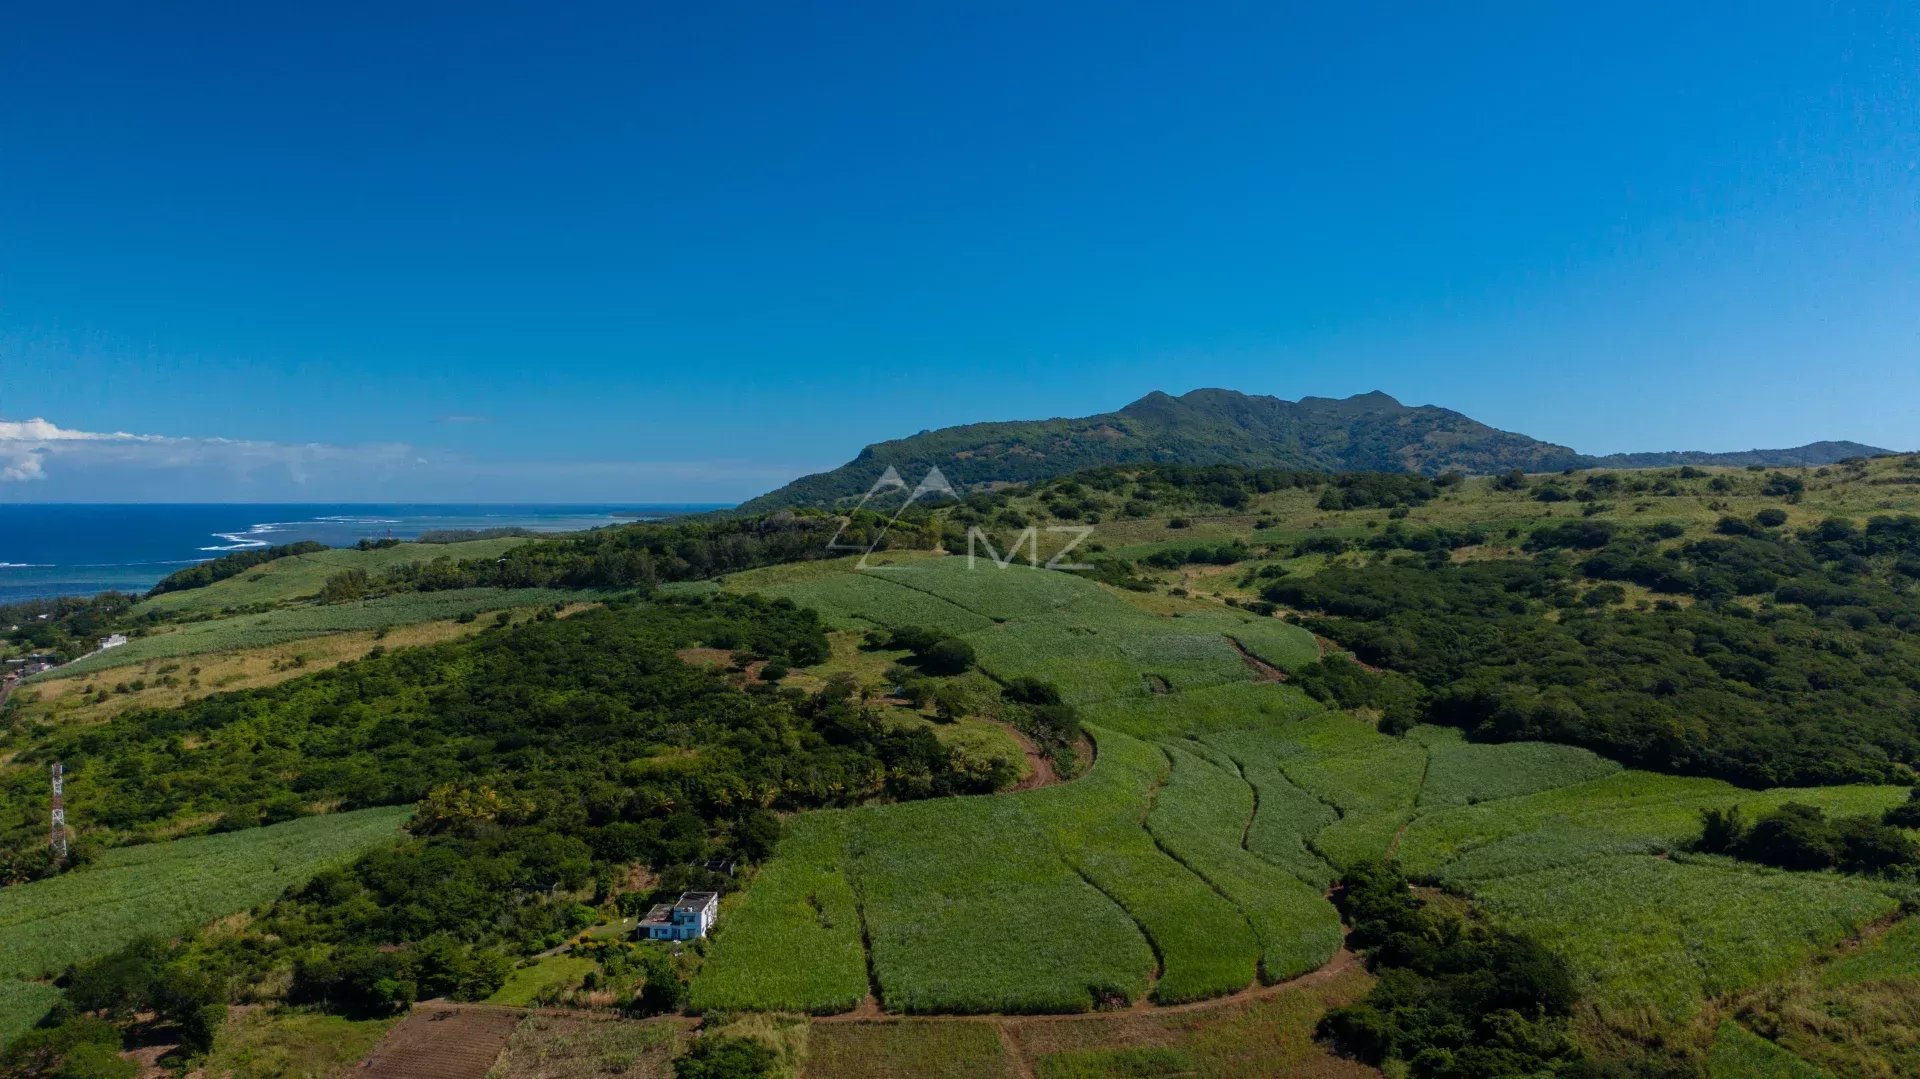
<point x="1367" y="432"/>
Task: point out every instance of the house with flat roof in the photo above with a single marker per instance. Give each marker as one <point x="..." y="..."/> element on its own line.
<point x="687" y="918"/>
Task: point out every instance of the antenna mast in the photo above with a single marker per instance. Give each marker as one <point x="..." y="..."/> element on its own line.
<point x="57" y="839"/>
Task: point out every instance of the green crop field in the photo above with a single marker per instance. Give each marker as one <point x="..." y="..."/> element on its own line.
<point x="1090" y="642"/>
<point x="1204" y="945"/>
<point x="968" y="909"/>
<point x="1224" y="801"/>
<point x="1629" y="804"/>
<point x="1235" y="707"/>
<point x="793" y="944"/>
<point x="295" y="623"/>
<point x="1664" y="935"/>
<point x="1463" y="773"/>
<point x="167" y="887"/>
<point x="22" y="1003"/>
<point x="1287" y="818"/>
<point x="1201" y="817"/>
<point x="298" y="577"/>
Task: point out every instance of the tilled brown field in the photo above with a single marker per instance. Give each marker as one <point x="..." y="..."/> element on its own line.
<point x="437" y="1042"/>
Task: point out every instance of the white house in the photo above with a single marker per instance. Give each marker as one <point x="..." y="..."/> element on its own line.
<point x="113" y="641"/>
<point x="690" y="917"/>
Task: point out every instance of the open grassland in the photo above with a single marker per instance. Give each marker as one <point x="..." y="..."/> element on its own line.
<point x="272" y="1043"/>
<point x="297" y="623"/>
<point x="793" y="942"/>
<point x="168" y="887"/>
<point x="298" y="577"/>
<point x="1883" y="487"/>
<point x="166" y="683"/>
<point x="526" y="985"/>
<point x="907" y="1050"/>
<point x="1266" y="1037"/>
<point x="1864" y="1030"/>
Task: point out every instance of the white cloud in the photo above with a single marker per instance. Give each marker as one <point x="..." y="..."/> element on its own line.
<point x="42" y="460"/>
<point x="27" y="447"/>
<point x="24" y="445"/>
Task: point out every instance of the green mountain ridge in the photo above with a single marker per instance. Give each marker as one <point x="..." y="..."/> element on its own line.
<point x="1369" y="432"/>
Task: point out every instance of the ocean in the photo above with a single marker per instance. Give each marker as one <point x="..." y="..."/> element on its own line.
<point x="63" y="549"/>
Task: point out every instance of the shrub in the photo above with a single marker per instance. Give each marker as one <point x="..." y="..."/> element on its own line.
<point x="718" y="1056"/>
<point x="83" y="1047"/>
<point x="949" y="656"/>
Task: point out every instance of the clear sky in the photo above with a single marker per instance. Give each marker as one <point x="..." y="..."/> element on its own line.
<point x="651" y="251"/>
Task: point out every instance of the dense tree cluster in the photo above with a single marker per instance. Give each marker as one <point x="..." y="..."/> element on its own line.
<point x="643" y="555"/>
<point x="1224" y="554"/>
<point x="1803" y="837"/>
<point x="1455" y="999"/>
<point x="1382" y="490"/>
<point x="586" y="724"/>
<point x="1793" y="662"/>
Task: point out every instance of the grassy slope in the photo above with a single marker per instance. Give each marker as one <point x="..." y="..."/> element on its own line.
<point x="285" y="580"/>
<point x="166" y="887"/>
<point x="303" y="621"/>
<point x="260" y="1042"/>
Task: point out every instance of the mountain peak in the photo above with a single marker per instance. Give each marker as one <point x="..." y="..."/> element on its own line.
<point x="1368" y="432"/>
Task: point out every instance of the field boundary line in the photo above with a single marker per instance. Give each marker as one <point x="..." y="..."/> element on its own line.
<point x="1189" y="867"/>
<point x="941" y="598"/>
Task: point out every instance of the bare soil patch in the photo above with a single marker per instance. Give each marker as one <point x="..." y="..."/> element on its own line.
<point x="443" y="1042"/>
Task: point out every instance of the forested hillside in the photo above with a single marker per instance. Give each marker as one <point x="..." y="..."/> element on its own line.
<point x="1367" y="432"/>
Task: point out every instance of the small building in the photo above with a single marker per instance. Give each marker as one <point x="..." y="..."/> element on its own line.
<point x="112" y="641"/>
<point x="685" y="919"/>
<point x="722" y="866"/>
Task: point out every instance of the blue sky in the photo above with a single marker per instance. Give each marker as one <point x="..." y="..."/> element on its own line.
<point x="631" y="252"/>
